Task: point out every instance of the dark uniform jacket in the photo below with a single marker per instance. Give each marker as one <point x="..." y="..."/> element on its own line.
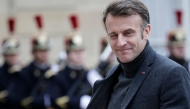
<point x="71" y="83"/>
<point x="28" y="85"/>
<point x="160" y="83"/>
<point x="6" y="77"/>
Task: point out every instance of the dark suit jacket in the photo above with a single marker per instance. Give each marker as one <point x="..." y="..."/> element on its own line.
<point x="163" y="85"/>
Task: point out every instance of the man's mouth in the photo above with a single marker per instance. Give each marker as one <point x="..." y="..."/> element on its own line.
<point x="126" y="49"/>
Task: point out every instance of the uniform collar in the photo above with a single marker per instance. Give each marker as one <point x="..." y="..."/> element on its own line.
<point x="41" y="66"/>
<point x="74" y="66"/>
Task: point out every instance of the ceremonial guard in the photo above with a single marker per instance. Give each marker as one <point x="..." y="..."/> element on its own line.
<point x="9" y="70"/>
<point x="70" y="89"/>
<point x="107" y="58"/>
<point x="30" y="81"/>
<point x="176" y="43"/>
<point x="176" y="47"/>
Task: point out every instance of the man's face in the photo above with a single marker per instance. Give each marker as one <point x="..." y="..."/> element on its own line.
<point x="11" y="59"/>
<point x="177" y="52"/>
<point x="76" y="57"/>
<point x="41" y="55"/>
<point x="125" y="36"/>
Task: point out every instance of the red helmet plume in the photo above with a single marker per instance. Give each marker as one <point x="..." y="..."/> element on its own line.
<point x="74" y="21"/>
<point x="11" y="25"/>
<point x="39" y="23"/>
<point x="179" y="17"/>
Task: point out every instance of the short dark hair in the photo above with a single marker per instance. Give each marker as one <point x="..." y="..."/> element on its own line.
<point x="127" y="8"/>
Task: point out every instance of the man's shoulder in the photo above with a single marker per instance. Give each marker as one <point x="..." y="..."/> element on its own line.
<point x="166" y="65"/>
<point x="29" y="71"/>
<point x="165" y="61"/>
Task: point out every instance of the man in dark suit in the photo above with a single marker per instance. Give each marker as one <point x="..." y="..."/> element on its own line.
<point x="143" y="79"/>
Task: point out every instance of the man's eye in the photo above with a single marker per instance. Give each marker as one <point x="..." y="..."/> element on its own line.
<point x="129" y="32"/>
<point x="112" y="36"/>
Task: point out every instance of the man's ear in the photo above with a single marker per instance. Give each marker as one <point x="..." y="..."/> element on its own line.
<point x="146" y="32"/>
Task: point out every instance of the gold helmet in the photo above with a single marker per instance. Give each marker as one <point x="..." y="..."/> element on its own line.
<point x="11" y="44"/>
<point x="74" y="41"/>
<point x="40" y="41"/>
<point x="176" y="38"/>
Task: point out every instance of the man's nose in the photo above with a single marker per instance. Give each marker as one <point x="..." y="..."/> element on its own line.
<point x="121" y="41"/>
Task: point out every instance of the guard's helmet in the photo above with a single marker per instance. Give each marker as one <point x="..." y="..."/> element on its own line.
<point x="74" y="41"/>
<point x="10" y="46"/>
<point x="41" y="40"/>
<point x="176" y="38"/>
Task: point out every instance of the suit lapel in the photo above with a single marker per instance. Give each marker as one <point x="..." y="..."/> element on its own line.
<point x="103" y="89"/>
<point x="137" y="81"/>
<point x="139" y="78"/>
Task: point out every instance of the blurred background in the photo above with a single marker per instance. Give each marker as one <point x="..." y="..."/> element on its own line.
<point x="56" y="22"/>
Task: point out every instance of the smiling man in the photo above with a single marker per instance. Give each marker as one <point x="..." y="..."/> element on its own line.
<point x="143" y="79"/>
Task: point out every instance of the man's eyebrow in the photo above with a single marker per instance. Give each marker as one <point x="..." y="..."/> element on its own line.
<point x="111" y="33"/>
<point x="129" y="29"/>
